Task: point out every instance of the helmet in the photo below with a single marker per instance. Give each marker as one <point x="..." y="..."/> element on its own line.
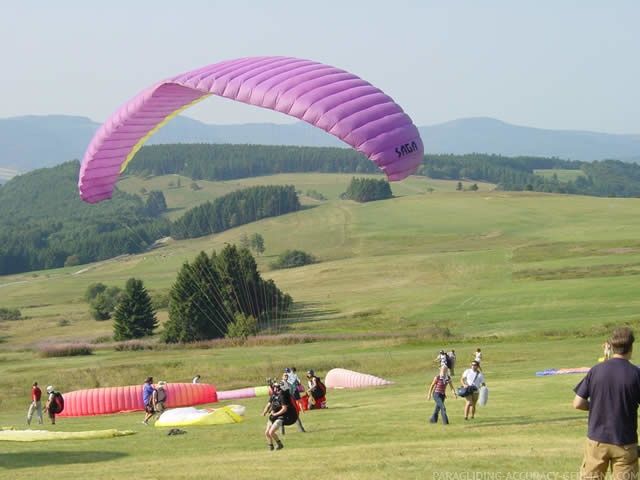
<point x="310" y="373"/>
<point x="49" y="389"/>
<point x="287" y="370"/>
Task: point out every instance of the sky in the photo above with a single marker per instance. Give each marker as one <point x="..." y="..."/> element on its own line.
<point x="551" y="64"/>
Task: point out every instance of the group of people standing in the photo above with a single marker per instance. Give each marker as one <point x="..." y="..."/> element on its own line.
<point x="472" y="377"/>
<point x="285" y="403"/>
<point x="36" y="404"/>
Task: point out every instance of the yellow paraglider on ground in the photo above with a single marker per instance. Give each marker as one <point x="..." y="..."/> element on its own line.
<point x="190" y="416"/>
<point x="13" y="435"/>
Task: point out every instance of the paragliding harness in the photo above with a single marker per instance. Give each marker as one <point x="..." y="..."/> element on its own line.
<point x="157" y="400"/>
<point x="319" y="391"/>
<point x="57" y="403"/>
<point x="279" y="399"/>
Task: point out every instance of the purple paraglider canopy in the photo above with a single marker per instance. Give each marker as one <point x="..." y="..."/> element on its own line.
<point x="331" y="99"/>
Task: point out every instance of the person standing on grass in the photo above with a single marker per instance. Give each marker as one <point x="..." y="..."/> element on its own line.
<point x="438" y="389"/>
<point x="279" y="410"/>
<point x="610" y="392"/>
<point x="293" y="389"/>
<point x="36" y="404"/>
<point x="474" y="378"/>
<point x="158" y="398"/>
<point x="196" y="379"/>
<point x="147" y="399"/>
<point x="477" y="356"/>
<point x="51" y="406"/>
<point x="452" y="362"/>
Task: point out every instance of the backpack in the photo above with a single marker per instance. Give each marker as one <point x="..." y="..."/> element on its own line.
<point x="161" y="395"/>
<point x="319" y="390"/>
<point x="447" y="361"/>
<point x="291" y="415"/>
<point x="57" y="403"/>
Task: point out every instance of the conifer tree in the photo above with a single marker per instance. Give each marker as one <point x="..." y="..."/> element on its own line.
<point x="134" y="316"/>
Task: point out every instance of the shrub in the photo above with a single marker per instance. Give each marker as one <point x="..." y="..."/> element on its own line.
<point x="10" y="314"/>
<point x="292" y="259"/>
<point x="132" y="346"/>
<point x="65" y="350"/>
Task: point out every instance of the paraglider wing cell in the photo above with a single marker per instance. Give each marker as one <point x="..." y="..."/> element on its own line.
<point x="331" y="99"/>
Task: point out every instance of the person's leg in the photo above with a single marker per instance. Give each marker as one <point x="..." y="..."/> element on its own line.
<point x="267" y="434"/>
<point x="474" y="400"/>
<point x="624" y="461"/>
<point x="434" y="415"/>
<point x="595" y="461"/>
<point x="443" y="410"/>
<point x="30" y="412"/>
<point x="273" y="433"/>
<point x="39" y="410"/>
<point x="467" y="406"/>
<point x="300" y="427"/>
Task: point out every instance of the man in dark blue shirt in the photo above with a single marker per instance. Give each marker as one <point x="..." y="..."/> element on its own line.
<point x="610" y="392"/>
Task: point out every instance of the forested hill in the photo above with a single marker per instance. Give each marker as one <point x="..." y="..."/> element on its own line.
<point x="45" y="224"/>
<point x="225" y="162"/>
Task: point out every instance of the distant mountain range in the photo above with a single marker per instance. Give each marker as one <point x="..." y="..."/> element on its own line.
<point x="31" y="142"/>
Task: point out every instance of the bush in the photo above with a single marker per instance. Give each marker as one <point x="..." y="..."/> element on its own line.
<point x="10" y="314"/>
<point x="65" y="350"/>
<point x="292" y="259"/>
<point x="132" y="346"/>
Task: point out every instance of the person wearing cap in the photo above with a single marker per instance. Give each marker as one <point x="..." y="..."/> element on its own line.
<point x="147" y="399"/>
<point x="294" y="394"/>
<point x="36" y="404"/>
<point x="276" y="407"/>
<point x="316" y="392"/>
<point x="196" y="379"/>
<point x="294" y="379"/>
<point x="50" y="399"/>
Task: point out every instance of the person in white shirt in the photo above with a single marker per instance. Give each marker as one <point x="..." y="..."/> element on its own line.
<point x="196" y="379"/>
<point x="472" y="377"/>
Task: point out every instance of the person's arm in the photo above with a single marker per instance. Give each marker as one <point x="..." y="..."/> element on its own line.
<point x="453" y="389"/>
<point x="432" y="387"/>
<point x="463" y="380"/>
<point x="266" y="409"/>
<point x="580" y="403"/>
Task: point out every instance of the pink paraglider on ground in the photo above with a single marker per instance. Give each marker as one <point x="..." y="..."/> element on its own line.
<point x="103" y="401"/>
<point x="342" y="378"/>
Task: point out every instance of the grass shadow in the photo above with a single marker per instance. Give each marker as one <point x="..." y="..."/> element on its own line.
<point x="44" y="458"/>
<point x="304" y="312"/>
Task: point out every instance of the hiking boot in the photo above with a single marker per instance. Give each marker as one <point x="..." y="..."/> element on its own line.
<point x="271" y="446"/>
<point x="279" y="446"/>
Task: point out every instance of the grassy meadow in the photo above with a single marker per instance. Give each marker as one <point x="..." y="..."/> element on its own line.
<point x="537" y="281"/>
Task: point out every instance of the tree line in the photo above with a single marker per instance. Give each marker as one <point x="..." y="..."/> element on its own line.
<point x="44" y="228"/>
<point x="44" y="224"/>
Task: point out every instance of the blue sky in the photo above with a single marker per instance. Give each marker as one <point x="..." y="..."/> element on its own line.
<point x="555" y="64"/>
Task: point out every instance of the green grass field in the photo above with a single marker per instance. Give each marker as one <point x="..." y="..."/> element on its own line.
<point x="537" y="281"/>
